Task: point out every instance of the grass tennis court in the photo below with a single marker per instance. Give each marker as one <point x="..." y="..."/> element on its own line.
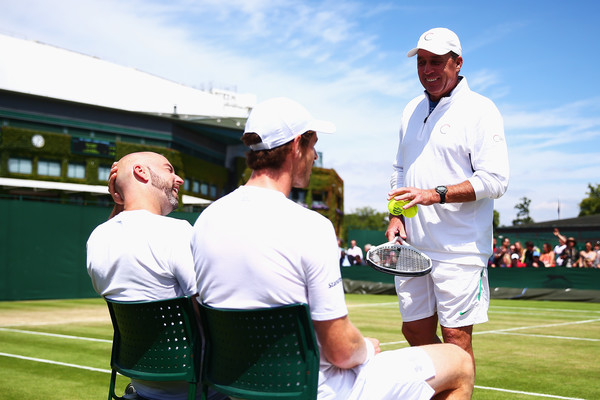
<point x="60" y="349"/>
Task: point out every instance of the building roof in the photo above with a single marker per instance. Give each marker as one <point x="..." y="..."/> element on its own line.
<point x="44" y="70"/>
<point x="78" y="188"/>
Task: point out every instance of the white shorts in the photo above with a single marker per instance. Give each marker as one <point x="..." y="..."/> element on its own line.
<point x="395" y="374"/>
<point x="459" y="294"/>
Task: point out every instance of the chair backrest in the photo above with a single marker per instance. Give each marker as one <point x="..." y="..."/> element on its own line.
<point x="261" y="353"/>
<point x="157" y="341"/>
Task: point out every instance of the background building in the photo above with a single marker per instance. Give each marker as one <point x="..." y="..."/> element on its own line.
<point x="66" y="117"/>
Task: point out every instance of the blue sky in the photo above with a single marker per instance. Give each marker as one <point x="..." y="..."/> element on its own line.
<point x="346" y="62"/>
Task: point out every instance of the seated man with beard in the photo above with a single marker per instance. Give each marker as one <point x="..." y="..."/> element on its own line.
<point x="140" y="253"/>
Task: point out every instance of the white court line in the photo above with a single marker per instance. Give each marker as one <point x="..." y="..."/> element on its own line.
<point x="372" y="305"/>
<point x="109" y="371"/>
<point x="504" y="331"/>
<point x="551" y="396"/>
<point x="55" y="363"/>
<point x="55" y="335"/>
<point x="537" y="326"/>
<point x="500" y="331"/>
<point x="508" y="331"/>
<point x="493" y="308"/>
<point x="549" y="336"/>
<point x="547" y="309"/>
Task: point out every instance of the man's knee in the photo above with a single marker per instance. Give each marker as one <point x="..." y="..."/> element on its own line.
<point x="465" y="373"/>
<point x="465" y="365"/>
<point x="455" y="372"/>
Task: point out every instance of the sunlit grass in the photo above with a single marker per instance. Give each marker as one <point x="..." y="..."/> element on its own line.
<point x="548" y="348"/>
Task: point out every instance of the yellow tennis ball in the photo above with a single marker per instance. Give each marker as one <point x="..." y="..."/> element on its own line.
<point x="411" y="212"/>
<point x="395" y="208"/>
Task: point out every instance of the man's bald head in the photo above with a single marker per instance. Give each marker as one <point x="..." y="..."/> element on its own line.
<point x="126" y="165"/>
<point x="146" y="180"/>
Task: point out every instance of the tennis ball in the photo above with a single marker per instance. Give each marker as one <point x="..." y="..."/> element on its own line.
<point x="395" y="208"/>
<point x="411" y="212"/>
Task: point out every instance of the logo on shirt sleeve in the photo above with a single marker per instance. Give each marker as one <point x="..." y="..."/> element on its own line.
<point x="335" y="283"/>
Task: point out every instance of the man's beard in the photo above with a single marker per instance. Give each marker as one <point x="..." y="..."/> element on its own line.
<point x="163" y="185"/>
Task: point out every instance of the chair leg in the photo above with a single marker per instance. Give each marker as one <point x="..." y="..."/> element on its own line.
<point x="111" y="390"/>
<point x="192" y="391"/>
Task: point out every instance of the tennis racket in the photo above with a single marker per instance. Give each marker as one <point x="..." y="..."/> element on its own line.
<point x="398" y="258"/>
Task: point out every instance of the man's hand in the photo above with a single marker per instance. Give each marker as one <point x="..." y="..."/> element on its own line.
<point x="395" y="228"/>
<point x="458" y="193"/>
<point x="117" y="198"/>
<point x="375" y="344"/>
<point x="414" y="196"/>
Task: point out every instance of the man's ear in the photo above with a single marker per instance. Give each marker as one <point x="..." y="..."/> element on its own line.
<point x="296" y="148"/>
<point x="459" y="63"/>
<point x="141" y="173"/>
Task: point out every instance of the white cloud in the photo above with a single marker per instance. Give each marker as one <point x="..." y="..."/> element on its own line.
<point x="336" y="59"/>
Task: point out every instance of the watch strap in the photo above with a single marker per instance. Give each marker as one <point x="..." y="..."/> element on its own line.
<point x="442" y="190"/>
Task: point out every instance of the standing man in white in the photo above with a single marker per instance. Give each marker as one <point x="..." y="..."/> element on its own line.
<point x="452" y="158"/>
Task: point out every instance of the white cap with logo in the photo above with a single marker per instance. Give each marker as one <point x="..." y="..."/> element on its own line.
<point x="438" y="41"/>
<point x="279" y="120"/>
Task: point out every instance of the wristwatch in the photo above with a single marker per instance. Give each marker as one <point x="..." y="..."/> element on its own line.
<point x="442" y="190"/>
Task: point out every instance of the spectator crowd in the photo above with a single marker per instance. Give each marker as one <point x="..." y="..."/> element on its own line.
<point x="563" y="254"/>
<point x="353" y="255"/>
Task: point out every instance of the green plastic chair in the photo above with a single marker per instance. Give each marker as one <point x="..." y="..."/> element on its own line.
<point x="267" y="353"/>
<point x="156" y="341"/>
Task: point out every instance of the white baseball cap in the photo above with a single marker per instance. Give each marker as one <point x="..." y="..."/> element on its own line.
<point x="279" y="120"/>
<point x="438" y="41"/>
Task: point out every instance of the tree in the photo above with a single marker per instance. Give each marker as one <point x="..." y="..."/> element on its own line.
<point x="523" y="212"/>
<point x="496" y="220"/>
<point x="365" y="218"/>
<point x="591" y="204"/>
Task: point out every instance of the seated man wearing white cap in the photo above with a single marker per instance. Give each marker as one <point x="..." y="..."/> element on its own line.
<point x="289" y="254"/>
<point x="452" y="161"/>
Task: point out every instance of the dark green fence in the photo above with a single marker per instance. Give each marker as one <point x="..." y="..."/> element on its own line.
<point x="42" y="255"/>
<point x="565" y="284"/>
<point x="542" y="278"/>
<point x="42" y="248"/>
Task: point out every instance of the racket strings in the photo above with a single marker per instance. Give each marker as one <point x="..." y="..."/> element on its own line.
<point x="399" y="258"/>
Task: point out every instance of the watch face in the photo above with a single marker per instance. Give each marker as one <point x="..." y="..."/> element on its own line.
<point x="38" y="141"/>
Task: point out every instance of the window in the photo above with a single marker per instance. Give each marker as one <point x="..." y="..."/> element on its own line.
<point x="318" y="201"/>
<point x="213" y="191"/>
<point x="298" y="195"/>
<point x="195" y="187"/>
<point x="186" y="185"/>
<point x="48" y="168"/>
<point x="76" y="171"/>
<point x="103" y="172"/>
<point x="204" y="189"/>
<point x="20" y="166"/>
